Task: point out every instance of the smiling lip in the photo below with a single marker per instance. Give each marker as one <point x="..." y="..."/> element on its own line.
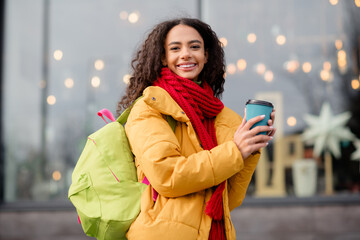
<point x="186" y="66"/>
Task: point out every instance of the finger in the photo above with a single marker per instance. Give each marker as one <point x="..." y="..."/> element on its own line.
<point x="272" y="115"/>
<point x="260" y="139"/>
<point x="258" y="146"/>
<point x="254" y="120"/>
<point x="272" y="132"/>
<point x="259" y="129"/>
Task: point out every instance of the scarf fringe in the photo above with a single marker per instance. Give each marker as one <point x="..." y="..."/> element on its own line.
<point x="217" y="230"/>
<point x="214" y="207"/>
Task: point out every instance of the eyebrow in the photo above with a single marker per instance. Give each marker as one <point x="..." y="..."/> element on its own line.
<point x="192" y="41"/>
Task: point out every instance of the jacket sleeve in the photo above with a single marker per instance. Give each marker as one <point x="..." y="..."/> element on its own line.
<point x="238" y="183"/>
<point x="158" y="153"/>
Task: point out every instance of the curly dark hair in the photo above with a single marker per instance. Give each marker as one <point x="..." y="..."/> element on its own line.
<point x="147" y="63"/>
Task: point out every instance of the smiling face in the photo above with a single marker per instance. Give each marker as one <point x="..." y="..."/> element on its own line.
<point x="185" y="53"/>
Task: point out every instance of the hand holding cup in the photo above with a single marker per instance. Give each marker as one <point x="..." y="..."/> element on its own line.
<point x="257" y="129"/>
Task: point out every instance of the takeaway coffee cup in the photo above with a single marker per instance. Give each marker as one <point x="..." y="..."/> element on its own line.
<point x="258" y="107"/>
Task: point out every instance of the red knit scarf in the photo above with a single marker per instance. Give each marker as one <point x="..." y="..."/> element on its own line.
<point x="201" y="107"/>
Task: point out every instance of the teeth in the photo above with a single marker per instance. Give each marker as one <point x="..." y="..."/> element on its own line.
<point x="187" y="65"/>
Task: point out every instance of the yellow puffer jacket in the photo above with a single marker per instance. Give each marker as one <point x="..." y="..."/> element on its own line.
<point x="181" y="171"/>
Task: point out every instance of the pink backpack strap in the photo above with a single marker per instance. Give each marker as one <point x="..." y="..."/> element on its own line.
<point x="105" y="112"/>
<point x="155" y="193"/>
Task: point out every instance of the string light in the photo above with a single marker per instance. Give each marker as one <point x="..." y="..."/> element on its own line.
<point x="355" y="84"/>
<point x="269" y="76"/>
<point x="342" y="61"/>
<point x="134" y="17"/>
<point x="231" y="68"/>
<point x="56" y="175"/>
<point x="126" y="78"/>
<point x="339" y="44"/>
<point x="69" y="83"/>
<point x="223" y="41"/>
<point x="95" y="81"/>
<point x="325" y="75"/>
<point x="333" y="2"/>
<point x="260" y="68"/>
<point x="281" y="40"/>
<point x="99" y="64"/>
<point x="327" y="66"/>
<point x="51" y="100"/>
<point x="291" y="121"/>
<point x="251" y="37"/>
<point x="241" y="64"/>
<point x="306" y="67"/>
<point x="291" y="66"/>
<point x="58" y="54"/>
<point x="357" y="3"/>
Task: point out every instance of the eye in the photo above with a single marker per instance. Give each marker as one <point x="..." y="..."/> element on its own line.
<point x="174" y="48"/>
<point x="195" y="46"/>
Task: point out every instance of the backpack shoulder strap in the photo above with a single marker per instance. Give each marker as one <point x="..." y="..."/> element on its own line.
<point x="171" y="121"/>
<point x="124" y="116"/>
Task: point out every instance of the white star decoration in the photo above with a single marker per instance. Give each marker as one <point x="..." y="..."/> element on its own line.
<point x="327" y="131"/>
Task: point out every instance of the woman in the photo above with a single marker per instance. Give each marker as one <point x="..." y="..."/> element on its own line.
<point x="202" y="169"/>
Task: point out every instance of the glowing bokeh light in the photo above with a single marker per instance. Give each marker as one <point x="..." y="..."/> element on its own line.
<point x="56" y="175"/>
<point x="268" y="76"/>
<point x="126" y="78"/>
<point x="95" y="81"/>
<point x="51" y="100"/>
<point x="355" y="84"/>
<point x="260" y="68"/>
<point x="58" y="55"/>
<point x="327" y="66"/>
<point x="241" y="64"/>
<point x="231" y="68"/>
<point x="325" y="75"/>
<point x="223" y="41"/>
<point x="338" y="44"/>
<point x="357" y="3"/>
<point x="99" y="64"/>
<point x="134" y="17"/>
<point x="251" y="37"/>
<point x="291" y="121"/>
<point x="306" y="67"/>
<point x="281" y="40"/>
<point x="69" y="83"/>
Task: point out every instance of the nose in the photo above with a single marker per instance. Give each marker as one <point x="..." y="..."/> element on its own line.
<point x="185" y="53"/>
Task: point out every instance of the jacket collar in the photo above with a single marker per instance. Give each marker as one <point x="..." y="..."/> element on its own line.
<point x="159" y="99"/>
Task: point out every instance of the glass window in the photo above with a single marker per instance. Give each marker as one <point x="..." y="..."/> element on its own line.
<point x="65" y="60"/>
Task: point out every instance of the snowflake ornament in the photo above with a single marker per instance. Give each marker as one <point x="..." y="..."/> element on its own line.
<point x="326" y="131"/>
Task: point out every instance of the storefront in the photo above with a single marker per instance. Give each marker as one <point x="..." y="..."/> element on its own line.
<point x="64" y="60"/>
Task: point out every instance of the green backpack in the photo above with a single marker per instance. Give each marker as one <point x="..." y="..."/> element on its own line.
<point x="105" y="190"/>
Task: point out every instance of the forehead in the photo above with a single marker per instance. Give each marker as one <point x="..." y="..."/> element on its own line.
<point x="183" y="33"/>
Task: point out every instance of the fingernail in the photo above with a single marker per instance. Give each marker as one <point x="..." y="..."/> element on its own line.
<point x="262" y="116"/>
<point x="271" y="127"/>
<point x="271" y="138"/>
